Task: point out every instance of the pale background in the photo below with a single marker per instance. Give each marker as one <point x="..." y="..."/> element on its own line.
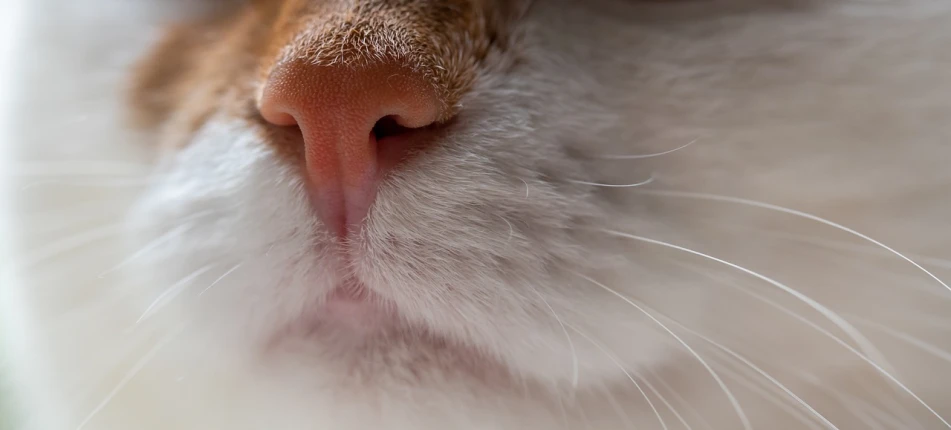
<point x="9" y="19"/>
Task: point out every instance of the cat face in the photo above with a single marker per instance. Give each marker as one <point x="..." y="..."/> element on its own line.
<point x="416" y="171"/>
<point x="430" y="215"/>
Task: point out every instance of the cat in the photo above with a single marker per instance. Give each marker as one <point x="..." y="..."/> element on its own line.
<point x="477" y="214"/>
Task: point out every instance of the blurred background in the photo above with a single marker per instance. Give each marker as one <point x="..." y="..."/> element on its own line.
<point x="9" y="18"/>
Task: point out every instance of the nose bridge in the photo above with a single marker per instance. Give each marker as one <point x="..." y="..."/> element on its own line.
<point x="443" y="39"/>
<point x="335" y="113"/>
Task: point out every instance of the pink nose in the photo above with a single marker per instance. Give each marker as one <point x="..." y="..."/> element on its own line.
<point x="346" y="115"/>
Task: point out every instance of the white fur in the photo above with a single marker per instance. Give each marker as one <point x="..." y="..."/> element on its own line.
<point x="493" y="245"/>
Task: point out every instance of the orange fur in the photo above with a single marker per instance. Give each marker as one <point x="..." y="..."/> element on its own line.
<point x="218" y="64"/>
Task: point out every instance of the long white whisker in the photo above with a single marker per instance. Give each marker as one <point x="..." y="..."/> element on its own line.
<point x="762" y="205"/>
<point x="618" y="409"/>
<point x="767" y="395"/>
<point x="651" y="388"/>
<point x="799" y="318"/>
<point x="893" y="410"/>
<point x="187" y="223"/>
<point x="931" y="321"/>
<point x="885" y="411"/>
<point x="907" y="338"/>
<point x="858" y="408"/>
<point x="713" y="373"/>
<point x="564" y="412"/>
<point x="880" y="417"/>
<point x="840" y="322"/>
<point x="236" y="266"/>
<point x="127" y="378"/>
<point x="637" y="157"/>
<point x="626" y="373"/>
<point x="807" y="300"/>
<point x="585" y="421"/>
<point x="571" y="344"/>
<point x="758" y="370"/>
<point x="148" y="248"/>
<point x="835" y="245"/>
<point x="86" y="383"/>
<point x="636" y="184"/>
<point x="171" y="292"/>
<point x="681" y="399"/>
<point x="874" y="352"/>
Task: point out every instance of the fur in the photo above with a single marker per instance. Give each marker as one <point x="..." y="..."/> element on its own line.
<point x="167" y="276"/>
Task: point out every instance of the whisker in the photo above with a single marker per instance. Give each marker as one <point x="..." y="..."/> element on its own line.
<point x="763" y="205"/>
<point x="818" y="307"/>
<point x="833" y="244"/>
<point x="907" y="338"/>
<point x="749" y="384"/>
<point x="236" y="266"/>
<point x="128" y="378"/>
<point x="571" y="344"/>
<point x="716" y="377"/>
<point x="856" y="406"/>
<point x="885" y="411"/>
<point x="636" y="184"/>
<point x="85" y="385"/>
<point x="878" y="356"/>
<point x="626" y="373"/>
<point x="798" y="317"/>
<point x="673" y="410"/>
<point x="931" y="321"/>
<point x="585" y="421"/>
<point x="617" y="408"/>
<point x="857" y="409"/>
<point x="889" y="410"/>
<point x="641" y="156"/>
<point x="876" y="414"/>
<point x="564" y="412"/>
<point x="187" y="223"/>
<point x="172" y="292"/>
<point x="681" y="399"/>
<point x="758" y="370"/>
<point x="844" y="325"/>
<point x="147" y="248"/>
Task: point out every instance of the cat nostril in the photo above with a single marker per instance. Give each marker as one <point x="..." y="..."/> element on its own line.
<point x="387" y="127"/>
<point x="344" y="112"/>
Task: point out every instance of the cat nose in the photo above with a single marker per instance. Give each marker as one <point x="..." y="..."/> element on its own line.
<point x="352" y="118"/>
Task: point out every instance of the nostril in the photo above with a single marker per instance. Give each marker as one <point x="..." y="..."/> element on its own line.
<point x="396" y="142"/>
<point x="389" y="126"/>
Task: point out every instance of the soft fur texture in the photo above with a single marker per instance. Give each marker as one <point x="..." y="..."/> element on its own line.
<point x="173" y="276"/>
